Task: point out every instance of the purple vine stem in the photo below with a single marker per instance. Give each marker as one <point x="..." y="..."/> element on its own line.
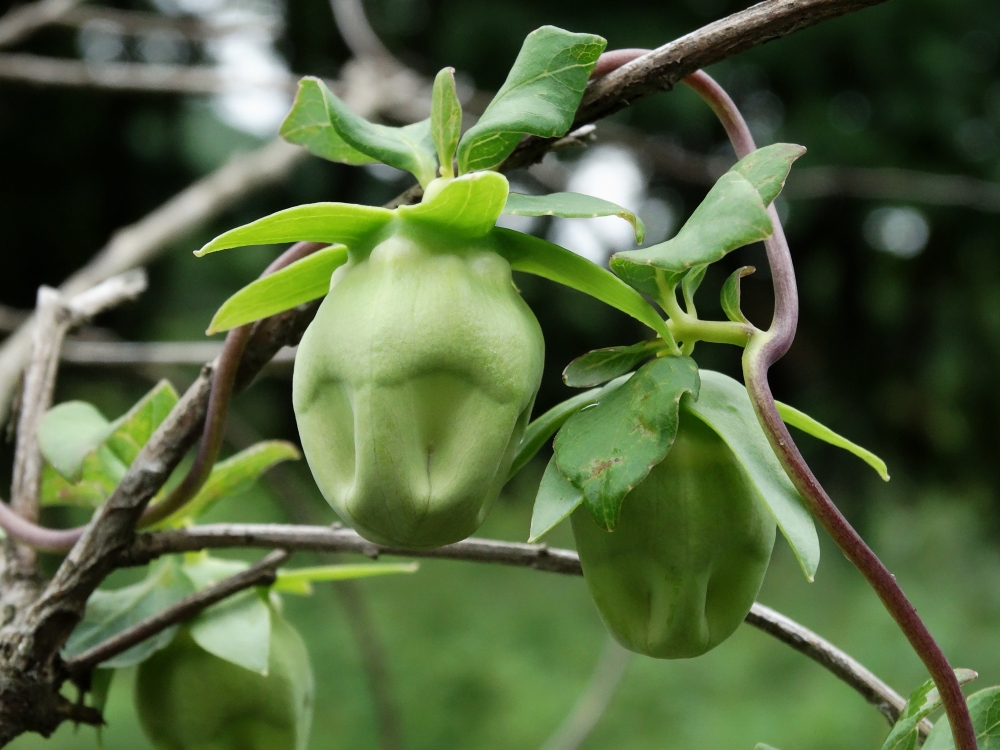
<point x="764" y="349"/>
<point x="223" y="381"/>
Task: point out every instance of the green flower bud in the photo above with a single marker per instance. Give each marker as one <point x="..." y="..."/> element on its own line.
<point x="412" y="389"/>
<point x="683" y="566"/>
<point x="189" y="699"/>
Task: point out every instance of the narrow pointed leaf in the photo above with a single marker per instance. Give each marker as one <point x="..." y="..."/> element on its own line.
<point x="541" y="429"/>
<point x="132" y="430"/>
<point x="540" y="96"/>
<point x="810" y="426"/>
<point x="410" y="148"/>
<point x="446" y="119"/>
<point x="984" y="709"/>
<point x="556" y="499"/>
<point x="333" y="223"/>
<point x="536" y="256"/>
<point x="923" y="701"/>
<point x="237" y="629"/>
<point x="601" y="365"/>
<point x="235" y="475"/>
<point x="466" y="207"/>
<point x="68" y="432"/>
<point x="691" y="282"/>
<point x="300" y="580"/>
<point x="302" y="281"/>
<point x="309" y="125"/>
<point x="730" y="296"/>
<point x="724" y="405"/>
<point x="572" y="206"/>
<point x="110" y="612"/>
<point x="731" y="216"/>
<point x="767" y="168"/>
<point x="607" y="449"/>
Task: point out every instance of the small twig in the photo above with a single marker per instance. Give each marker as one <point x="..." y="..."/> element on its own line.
<point x="260" y="574"/>
<point x="357" y="33"/>
<point x="151" y="545"/>
<point x="132" y="353"/>
<point x="21" y="21"/>
<point x="595" y="699"/>
<point x="138" y="22"/>
<point x="127" y="76"/>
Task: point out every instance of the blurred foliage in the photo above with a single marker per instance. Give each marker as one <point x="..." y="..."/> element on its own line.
<point x="898" y="354"/>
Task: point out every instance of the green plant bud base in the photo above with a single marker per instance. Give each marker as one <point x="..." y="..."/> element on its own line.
<point x="412" y="389"/>
<point x="189" y="699"/>
<point x="682" y="568"/>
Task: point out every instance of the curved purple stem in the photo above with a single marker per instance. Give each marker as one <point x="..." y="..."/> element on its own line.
<point x="224" y="378"/>
<point x="764" y="349"/>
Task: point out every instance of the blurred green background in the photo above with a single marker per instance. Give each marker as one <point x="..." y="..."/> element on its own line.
<point x="898" y="346"/>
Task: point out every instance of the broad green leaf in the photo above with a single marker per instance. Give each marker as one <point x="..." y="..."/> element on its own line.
<point x="601" y="365"/>
<point x="234" y="475"/>
<point x="101" y="471"/>
<point x="905" y="734"/>
<point x="724" y="405"/>
<point x="541" y="429"/>
<point x="607" y="449"/>
<point x="302" y="281"/>
<point x="300" y="580"/>
<point x="572" y="206"/>
<point x="731" y="216"/>
<point x="810" y="426"/>
<point x="203" y="570"/>
<point x="237" y="629"/>
<point x="446" y="119"/>
<point x="690" y="283"/>
<point x="540" y="96"/>
<point x="466" y="207"/>
<point x="334" y="223"/>
<point x="984" y="708"/>
<point x="730" y="296"/>
<point x="410" y="148"/>
<point x="767" y="168"/>
<point x="132" y="430"/>
<point x="309" y="125"/>
<point x="67" y="433"/>
<point x="110" y="612"/>
<point x="556" y="499"/>
<point x="536" y="256"/>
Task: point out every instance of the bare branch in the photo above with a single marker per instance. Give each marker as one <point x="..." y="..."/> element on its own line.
<point x="20" y="22"/>
<point x="260" y="574"/>
<point x="595" y="699"/>
<point x="133" y="353"/>
<point x="358" y="34"/>
<point x="148" y="546"/>
<point x="137" y="22"/>
<point x="127" y="76"/>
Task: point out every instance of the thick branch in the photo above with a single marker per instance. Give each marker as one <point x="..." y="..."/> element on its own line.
<point x="260" y="574"/>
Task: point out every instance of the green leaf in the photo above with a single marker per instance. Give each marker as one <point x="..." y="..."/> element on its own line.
<point x="541" y="429"/>
<point x="67" y="433"/>
<point x="234" y="475"/>
<point x="540" y="96"/>
<point x="132" y="430"/>
<point x="203" y="570"/>
<point x="536" y="256"/>
<point x="466" y="207"/>
<point x="410" y="148"/>
<point x="730" y="296"/>
<point x="571" y="206"/>
<point x="302" y="281"/>
<point x="601" y="365"/>
<point x="905" y="734"/>
<point x="110" y="612"/>
<point x="731" y="216"/>
<point x="984" y="708"/>
<point x="767" y="168"/>
<point x="446" y="119"/>
<point x="309" y="125"/>
<point x="300" y="580"/>
<point x="762" y="746"/>
<point x="556" y="499"/>
<point x="237" y="629"/>
<point x="810" y="426"/>
<point x="724" y="405"/>
<point x="100" y="686"/>
<point x="607" y="449"/>
<point x="690" y="283"/>
<point x="101" y="471"/>
<point x="334" y="223"/>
